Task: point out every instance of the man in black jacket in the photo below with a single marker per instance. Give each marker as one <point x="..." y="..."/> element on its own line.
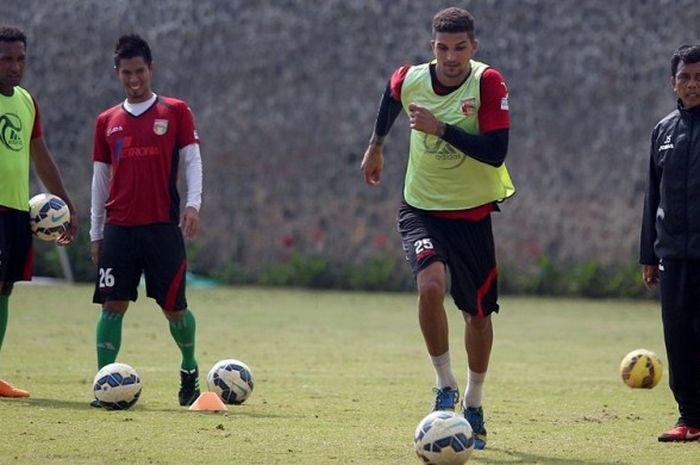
<point x="670" y="240"/>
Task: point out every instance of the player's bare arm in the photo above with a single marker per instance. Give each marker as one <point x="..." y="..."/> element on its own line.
<point x="421" y="119"/>
<point x="48" y="172"/>
<point x="95" y="251"/>
<point x="190" y="222"/>
<point x="373" y="161"/>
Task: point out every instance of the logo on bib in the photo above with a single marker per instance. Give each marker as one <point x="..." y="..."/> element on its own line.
<point x="468" y="106"/>
<point x="11" y="132"/>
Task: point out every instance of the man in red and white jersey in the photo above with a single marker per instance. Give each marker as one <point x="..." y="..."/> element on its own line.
<point x="136" y="226"/>
<point x="458" y="113"/>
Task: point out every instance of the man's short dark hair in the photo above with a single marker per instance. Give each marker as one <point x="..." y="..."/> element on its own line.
<point x="131" y="46"/>
<point x="684" y="54"/>
<point x="12" y="34"/>
<point x="454" y="19"/>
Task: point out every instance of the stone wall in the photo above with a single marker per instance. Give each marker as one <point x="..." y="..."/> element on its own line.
<point x="285" y="94"/>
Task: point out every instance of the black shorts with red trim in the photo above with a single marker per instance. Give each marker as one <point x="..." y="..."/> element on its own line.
<point x="466" y="247"/>
<point x="156" y="250"/>
<point x="16" y="246"/>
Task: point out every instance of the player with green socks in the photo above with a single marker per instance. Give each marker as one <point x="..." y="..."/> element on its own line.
<point x="136" y="227"/>
<point x="21" y="146"/>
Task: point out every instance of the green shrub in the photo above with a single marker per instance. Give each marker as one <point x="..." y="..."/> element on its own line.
<point x="299" y="270"/>
<point x="377" y="274"/>
<point x="583" y="279"/>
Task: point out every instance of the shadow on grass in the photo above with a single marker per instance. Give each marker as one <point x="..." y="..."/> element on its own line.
<point x="52" y="403"/>
<point x="522" y="458"/>
<point x="140" y="407"/>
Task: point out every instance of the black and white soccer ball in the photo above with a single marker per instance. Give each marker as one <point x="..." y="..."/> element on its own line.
<point x="232" y="380"/>
<point x="49" y="216"/>
<point x="117" y="386"/>
<point x="443" y="438"/>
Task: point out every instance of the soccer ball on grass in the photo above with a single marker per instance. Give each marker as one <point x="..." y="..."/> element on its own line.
<point x="443" y="438"/>
<point x="231" y="380"/>
<point x="117" y="386"/>
<point x="49" y="216"/>
<point x="641" y="368"/>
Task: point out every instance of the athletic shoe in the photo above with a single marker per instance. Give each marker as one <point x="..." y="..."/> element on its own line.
<point x="8" y="390"/>
<point x="95" y="403"/>
<point x="681" y="433"/>
<point x="446" y="398"/>
<point x="475" y="417"/>
<point x="189" y="386"/>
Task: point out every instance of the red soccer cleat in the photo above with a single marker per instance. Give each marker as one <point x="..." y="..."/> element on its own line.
<point x="681" y="433"/>
<point x="8" y="390"/>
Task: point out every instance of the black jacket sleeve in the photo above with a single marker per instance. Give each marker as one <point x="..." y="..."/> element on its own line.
<point x="651" y="205"/>
<point x="389" y="110"/>
<point x="490" y="148"/>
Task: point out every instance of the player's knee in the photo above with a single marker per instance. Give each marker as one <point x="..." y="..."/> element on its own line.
<point x="479" y="324"/>
<point x="6" y="288"/>
<point x="115" y="307"/>
<point x="173" y="315"/>
<point x="431" y="290"/>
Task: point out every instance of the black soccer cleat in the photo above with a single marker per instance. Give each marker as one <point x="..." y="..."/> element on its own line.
<point x="189" y="386"/>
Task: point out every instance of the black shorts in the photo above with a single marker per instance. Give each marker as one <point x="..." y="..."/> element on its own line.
<point x="465" y="247"/>
<point x="157" y="250"/>
<point x="16" y="246"/>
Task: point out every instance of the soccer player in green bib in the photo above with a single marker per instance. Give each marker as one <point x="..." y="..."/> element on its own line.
<point x="458" y="115"/>
<point x="21" y="140"/>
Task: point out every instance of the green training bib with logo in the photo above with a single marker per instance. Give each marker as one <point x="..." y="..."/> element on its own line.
<point x="17" y="114"/>
<point x="439" y="176"/>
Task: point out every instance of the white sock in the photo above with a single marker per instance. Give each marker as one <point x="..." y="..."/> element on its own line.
<point x="475" y="389"/>
<point x="443" y="371"/>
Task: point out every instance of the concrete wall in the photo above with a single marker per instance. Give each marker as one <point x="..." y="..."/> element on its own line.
<point x="285" y="94"/>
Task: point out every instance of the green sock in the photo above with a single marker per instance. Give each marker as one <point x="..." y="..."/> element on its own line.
<point x="109" y="337"/>
<point x="183" y="332"/>
<point x="4" y="299"/>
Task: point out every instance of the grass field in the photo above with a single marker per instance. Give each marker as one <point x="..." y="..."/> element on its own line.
<point x="341" y="378"/>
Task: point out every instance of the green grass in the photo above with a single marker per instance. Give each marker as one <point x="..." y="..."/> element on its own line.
<point x="341" y="378"/>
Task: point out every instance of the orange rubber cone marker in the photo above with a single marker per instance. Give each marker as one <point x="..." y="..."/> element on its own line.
<point x="209" y="402"/>
<point x="8" y="390"/>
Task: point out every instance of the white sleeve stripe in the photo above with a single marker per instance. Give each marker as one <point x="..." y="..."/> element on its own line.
<point x="193" y="175"/>
<point x="101" y="173"/>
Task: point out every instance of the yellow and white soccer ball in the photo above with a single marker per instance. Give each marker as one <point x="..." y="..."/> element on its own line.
<point x="49" y="216"/>
<point x="641" y="368"/>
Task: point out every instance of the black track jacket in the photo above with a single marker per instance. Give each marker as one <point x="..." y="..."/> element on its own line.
<point x="671" y="221"/>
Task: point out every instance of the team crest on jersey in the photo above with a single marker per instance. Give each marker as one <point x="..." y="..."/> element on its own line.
<point x="160" y="126"/>
<point x="468" y="106"/>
